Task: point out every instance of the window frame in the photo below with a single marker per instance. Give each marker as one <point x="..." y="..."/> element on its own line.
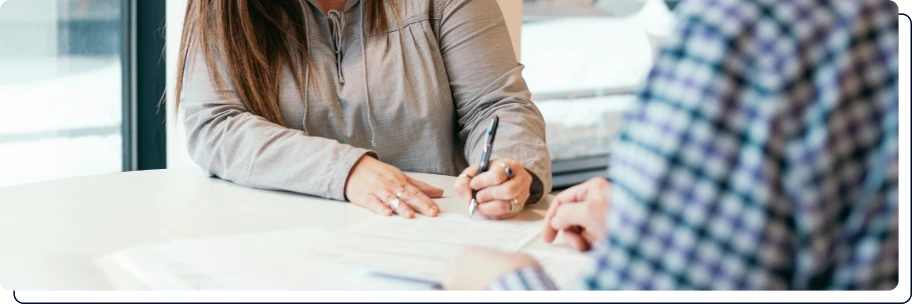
<point x="144" y="111"/>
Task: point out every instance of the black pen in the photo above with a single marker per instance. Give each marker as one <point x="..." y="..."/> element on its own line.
<point x="485" y="159"/>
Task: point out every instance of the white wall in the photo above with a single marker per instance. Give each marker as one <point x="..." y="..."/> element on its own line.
<point x="177" y="148"/>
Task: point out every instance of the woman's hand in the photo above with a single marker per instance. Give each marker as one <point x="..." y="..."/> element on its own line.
<point x="476" y="268"/>
<point x="503" y="189"/>
<point x="379" y="187"/>
<point x="580" y="213"/>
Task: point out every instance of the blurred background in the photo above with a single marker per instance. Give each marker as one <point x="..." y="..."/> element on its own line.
<point x="602" y="51"/>
<point x="61" y="88"/>
<point x="80" y="81"/>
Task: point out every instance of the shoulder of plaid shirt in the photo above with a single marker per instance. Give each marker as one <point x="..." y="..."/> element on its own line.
<point x="762" y="155"/>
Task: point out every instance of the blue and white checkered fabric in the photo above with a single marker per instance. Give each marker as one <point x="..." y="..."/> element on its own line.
<point x="762" y="154"/>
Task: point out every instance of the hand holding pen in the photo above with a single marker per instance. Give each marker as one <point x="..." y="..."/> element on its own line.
<point x="494" y="188"/>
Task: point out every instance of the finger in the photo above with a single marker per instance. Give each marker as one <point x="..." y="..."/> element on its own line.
<point x="576" y="241"/>
<point x="572" y="195"/>
<point x="495" y="175"/>
<point x="550" y="233"/>
<point x="471" y="170"/>
<point x="419" y="201"/>
<point x="595" y="189"/>
<point x="405" y="211"/>
<point x="589" y="237"/>
<point x="462" y="183"/>
<point x="505" y="216"/>
<point x="569" y="215"/>
<point x="552" y="209"/>
<point x="462" y="189"/>
<point x="425" y="188"/>
<point x="374" y="204"/>
<point x="494" y="209"/>
<point x="514" y="188"/>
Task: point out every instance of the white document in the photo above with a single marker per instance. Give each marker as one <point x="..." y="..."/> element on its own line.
<point x="420" y="248"/>
<point x="271" y="260"/>
<point x="566" y="269"/>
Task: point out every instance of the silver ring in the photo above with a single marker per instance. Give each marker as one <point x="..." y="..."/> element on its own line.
<point x="394" y="204"/>
<point x="514" y="205"/>
<point x="508" y="171"/>
<point x="466" y="175"/>
<point x="400" y="193"/>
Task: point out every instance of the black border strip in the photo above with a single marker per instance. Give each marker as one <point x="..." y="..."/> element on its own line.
<point x="904" y="30"/>
<point x="541" y="297"/>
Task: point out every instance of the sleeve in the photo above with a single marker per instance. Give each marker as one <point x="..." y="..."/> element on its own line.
<point x="486" y="80"/>
<point x="531" y="278"/>
<point x="716" y="183"/>
<point x="673" y="204"/>
<point x="228" y="141"/>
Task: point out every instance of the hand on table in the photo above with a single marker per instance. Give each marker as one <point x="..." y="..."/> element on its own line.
<point x="476" y="268"/>
<point x="503" y="189"/>
<point x="384" y="189"/>
<point x="580" y="212"/>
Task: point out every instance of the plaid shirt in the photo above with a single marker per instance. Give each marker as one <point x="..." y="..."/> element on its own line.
<point x="762" y="154"/>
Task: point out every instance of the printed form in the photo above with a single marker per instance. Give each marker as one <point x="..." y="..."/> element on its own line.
<point x="257" y="261"/>
<point x="420" y="248"/>
<point x="416" y="251"/>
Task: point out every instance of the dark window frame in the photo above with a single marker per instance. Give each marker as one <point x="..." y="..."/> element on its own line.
<point x="144" y="127"/>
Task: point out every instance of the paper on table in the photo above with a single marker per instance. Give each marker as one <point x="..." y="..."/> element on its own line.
<point x="420" y="248"/>
<point x="566" y="269"/>
<point x="271" y="260"/>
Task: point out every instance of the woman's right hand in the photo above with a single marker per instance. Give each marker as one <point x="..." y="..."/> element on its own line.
<point x="375" y="185"/>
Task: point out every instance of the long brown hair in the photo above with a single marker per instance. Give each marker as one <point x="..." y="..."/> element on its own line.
<point x="256" y="39"/>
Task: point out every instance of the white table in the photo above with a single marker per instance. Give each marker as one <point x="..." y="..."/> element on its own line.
<point x="53" y="231"/>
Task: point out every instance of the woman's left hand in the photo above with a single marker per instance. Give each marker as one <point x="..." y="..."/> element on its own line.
<point x="476" y="268"/>
<point x="502" y="191"/>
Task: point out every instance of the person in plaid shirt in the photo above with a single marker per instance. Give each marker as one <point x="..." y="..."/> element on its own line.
<point x="762" y="155"/>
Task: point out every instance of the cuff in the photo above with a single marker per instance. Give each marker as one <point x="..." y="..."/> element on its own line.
<point x="537" y="190"/>
<point x="343" y="170"/>
<point x="529" y="278"/>
<point x="541" y="179"/>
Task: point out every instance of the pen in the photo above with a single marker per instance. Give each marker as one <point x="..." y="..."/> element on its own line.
<point x="485" y="159"/>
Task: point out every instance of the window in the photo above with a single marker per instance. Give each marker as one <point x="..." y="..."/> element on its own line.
<point x="61" y="88"/>
<point x="79" y="85"/>
<point x="602" y="50"/>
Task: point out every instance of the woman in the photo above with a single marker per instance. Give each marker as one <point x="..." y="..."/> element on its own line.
<point x="337" y="98"/>
<point x="763" y="155"/>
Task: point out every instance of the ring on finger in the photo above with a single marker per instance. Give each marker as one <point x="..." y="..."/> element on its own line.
<point x="401" y="193"/>
<point x="466" y="175"/>
<point x="507" y="170"/>
<point x="514" y="205"/>
<point x="394" y="203"/>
